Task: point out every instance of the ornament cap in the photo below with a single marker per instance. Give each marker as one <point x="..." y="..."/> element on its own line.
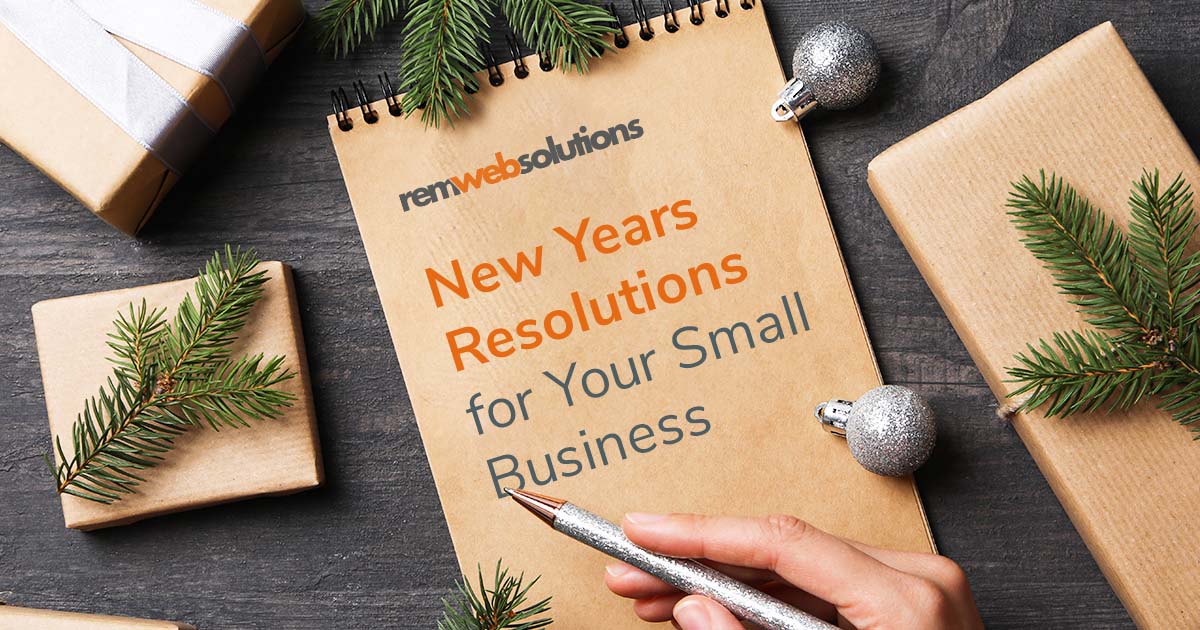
<point x="834" y="415"/>
<point x="795" y="100"/>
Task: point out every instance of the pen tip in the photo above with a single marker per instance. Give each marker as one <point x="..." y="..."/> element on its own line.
<point x="542" y="506"/>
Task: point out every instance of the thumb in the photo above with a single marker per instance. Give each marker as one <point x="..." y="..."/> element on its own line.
<point x="701" y="613"/>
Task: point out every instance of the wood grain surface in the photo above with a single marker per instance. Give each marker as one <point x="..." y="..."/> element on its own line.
<point x="370" y="550"/>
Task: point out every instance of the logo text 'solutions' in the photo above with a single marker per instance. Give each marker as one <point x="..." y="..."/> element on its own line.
<point x="580" y="144"/>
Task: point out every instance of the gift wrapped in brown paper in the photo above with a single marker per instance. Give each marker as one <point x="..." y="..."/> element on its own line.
<point x="126" y="93"/>
<point x="1086" y="113"/>
<point x="270" y="457"/>
<point x="17" y="618"/>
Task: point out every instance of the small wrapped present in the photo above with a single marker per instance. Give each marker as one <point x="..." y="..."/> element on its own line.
<point x="17" y="618"/>
<point x="113" y="99"/>
<point x="1086" y="112"/>
<point x="269" y="457"/>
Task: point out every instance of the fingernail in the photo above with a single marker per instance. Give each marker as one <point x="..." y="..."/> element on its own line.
<point x="645" y="518"/>
<point x="617" y="569"/>
<point x="691" y="615"/>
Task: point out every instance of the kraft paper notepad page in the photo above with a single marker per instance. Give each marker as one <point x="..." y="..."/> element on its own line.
<point x="622" y="289"/>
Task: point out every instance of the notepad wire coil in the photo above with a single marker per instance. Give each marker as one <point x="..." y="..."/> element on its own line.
<point x="343" y="105"/>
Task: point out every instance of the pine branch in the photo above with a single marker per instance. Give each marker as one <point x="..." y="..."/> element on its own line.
<point x="442" y="50"/>
<point x="235" y="392"/>
<point x="1183" y="399"/>
<point x="345" y="24"/>
<point x="1085" y="251"/>
<point x="1162" y="225"/>
<point x="205" y="325"/>
<point x="502" y="607"/>
<point x="135" y="342"/>
<point x="1082" y="371"/>
<point x="569" y="32"/>
<point x="1144" y="290"/>
<point x="167" y="379"/>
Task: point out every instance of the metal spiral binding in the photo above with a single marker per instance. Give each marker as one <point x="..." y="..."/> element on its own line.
<point x="364" y="103"/>
<point x="670" y="21"/>
<point x="389" y="95"/>
<point x="495" y="77"/>
<point x="342" y="104"/>
<point x="340" y="107"/>
<point x="620" y="40"/>
<point x="520" y="70"/>
<point x="645" y="31"/>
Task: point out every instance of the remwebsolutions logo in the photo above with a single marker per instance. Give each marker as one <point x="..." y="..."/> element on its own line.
<point x="581" y="143"/>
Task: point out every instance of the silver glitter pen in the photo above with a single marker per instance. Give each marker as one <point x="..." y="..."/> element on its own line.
<point x="689" y="576"/>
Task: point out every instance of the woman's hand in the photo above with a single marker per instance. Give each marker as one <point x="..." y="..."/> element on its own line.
<point x="873" y="589"/>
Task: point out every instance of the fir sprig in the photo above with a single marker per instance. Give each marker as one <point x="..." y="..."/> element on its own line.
<point x="569" y="32"/>
<point x="504" y="606"/>
<point x="345" y="24"/>
<point x="1141" y="291"/>
<point x="443" y="41"/>
<point x="442" y="51"/>
<point x="167" y="379"/>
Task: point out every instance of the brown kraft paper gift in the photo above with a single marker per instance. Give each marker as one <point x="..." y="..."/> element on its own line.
<point x="82" y="150"/>
<point x="207" y="467"/>
<point x="1085" y="112"/>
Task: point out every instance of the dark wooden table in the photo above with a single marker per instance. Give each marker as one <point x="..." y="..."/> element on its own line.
<point x="370" y="549"/>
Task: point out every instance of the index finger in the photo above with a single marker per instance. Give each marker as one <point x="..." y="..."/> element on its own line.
<point x="808" y="558"/>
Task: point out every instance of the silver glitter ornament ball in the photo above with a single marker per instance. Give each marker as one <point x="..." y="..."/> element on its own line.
<point x="891" y="430"/>
<point x="839" y="64"/>
<point x="835" y="66"/>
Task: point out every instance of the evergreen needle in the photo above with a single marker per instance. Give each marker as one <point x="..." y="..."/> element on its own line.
<point x="1140" y="290"/>
<point x="443" y="42"/>
<point x="345" y="23"/>
<point x="168" y="378"/>
<point x="568" y="32"/>
<point x="503" y="606"/>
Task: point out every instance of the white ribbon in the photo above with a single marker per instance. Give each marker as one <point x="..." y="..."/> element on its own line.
<point x="190" y="34"/>
<point x="71" y="38"/>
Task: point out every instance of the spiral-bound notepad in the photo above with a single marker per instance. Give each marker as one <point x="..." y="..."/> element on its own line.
<point x="621" y="288"/>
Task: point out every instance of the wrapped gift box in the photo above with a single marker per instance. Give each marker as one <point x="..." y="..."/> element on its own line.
<point x="17" y="618"/>
<point x="1087" y="113"/>
<point x="56" y="128"/>
<point x="271" y="457"/>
